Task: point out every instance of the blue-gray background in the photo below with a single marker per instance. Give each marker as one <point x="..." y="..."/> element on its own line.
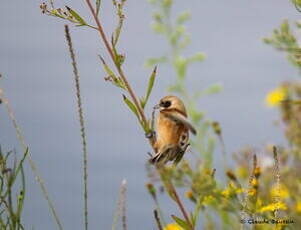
<point x="38" y="80"/>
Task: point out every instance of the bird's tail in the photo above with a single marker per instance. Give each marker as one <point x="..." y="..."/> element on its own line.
<point x="158" y="158"/>
<point x="169" y="153"/>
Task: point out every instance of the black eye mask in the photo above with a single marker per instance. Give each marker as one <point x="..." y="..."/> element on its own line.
<point x="165" y="104"/>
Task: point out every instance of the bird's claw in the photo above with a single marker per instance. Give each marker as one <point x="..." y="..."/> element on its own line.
<point x="150" y="135"/>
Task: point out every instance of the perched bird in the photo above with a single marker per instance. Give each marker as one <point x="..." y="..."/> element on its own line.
<point x="172" y="131"/>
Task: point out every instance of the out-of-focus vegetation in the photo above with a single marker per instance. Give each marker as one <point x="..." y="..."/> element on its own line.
<point x="12" y="190"/>
<point x="178" y="39"/>
<point x="262" y="185"/>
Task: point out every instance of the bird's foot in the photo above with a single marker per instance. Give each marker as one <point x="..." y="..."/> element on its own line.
<point x="150" y="135"/>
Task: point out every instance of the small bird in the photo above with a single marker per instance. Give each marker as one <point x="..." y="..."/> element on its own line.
<point x="172" y="131"/>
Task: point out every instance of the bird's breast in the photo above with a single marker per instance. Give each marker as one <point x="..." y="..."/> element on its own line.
<point x="168" y="132"/>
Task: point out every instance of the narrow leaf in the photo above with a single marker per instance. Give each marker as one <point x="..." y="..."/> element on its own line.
<point x="193" y="219"/>
<point x="213" y="89"/>
<point x="135" y="111"/>
<point x="142" y="102"/>
<point x="112" y="77"/>
<point x="106" y="67"/>
<point x="130" y="105"/>
<point x="150" y="87"/>
<point x="180" y="222"/>
<point x="76" y="16"/>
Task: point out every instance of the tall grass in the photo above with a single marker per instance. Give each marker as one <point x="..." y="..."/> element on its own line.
<point x="30" y="160"/>
<point x="252" y="189"/>
<point x="82" y="124"/>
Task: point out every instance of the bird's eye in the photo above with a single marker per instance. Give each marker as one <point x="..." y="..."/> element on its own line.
<point x="165" y="104"/>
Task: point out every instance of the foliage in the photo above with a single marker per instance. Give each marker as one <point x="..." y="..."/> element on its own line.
<point x="284" y="39"/>
<point x="12" y="193"/>
<point x="253" y="191"/>
<point x="255" y="188"/>
<point x="178" y="40"/>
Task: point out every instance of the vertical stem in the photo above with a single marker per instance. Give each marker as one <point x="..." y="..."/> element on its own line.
<point x="82" y="124"/>
<point x="277" y="177"/>
<point x="134" y="98"/>
<point x="157" y="218"/>
<point x="31" y="162"/>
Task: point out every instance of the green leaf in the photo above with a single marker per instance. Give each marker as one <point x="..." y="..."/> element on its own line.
<point x="213" y="89"/>
<point x="197" y="57"/>
<point x="119" y="58"/>
<point x="180" y="222"/>
<point x="112" y="77"/>
<point x="150" y="86"/>
<point x="55" y="13"/>
<point x="76" y="16"/>
<point x="142" y="102"/>
<point x="181" y="66"/>
<point x="158" y="27"/>
<point x="183" y="17"/>
<point x="193" y="219"/>
<point x="135" y="111"/>
<point x="98" y="2"/>
<point x="131" y="105"/>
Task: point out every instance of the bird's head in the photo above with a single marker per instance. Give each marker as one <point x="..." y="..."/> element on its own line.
<point x="171" y="102"/>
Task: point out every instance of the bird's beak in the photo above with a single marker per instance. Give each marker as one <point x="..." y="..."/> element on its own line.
<point x="157" y="106"/>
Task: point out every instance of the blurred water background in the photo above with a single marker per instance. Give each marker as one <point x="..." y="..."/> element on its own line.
<point x="38" y="80"/>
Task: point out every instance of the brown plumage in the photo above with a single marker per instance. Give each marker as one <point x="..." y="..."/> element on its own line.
<point x="172" y="129"/>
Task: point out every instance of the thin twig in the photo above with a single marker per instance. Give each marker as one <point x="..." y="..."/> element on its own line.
<point x="181" y="206"/>
<point x="123" y="204"/>
<point x="134" y="98"/>
<point x="277" y="177"/>
<point x="31" y="162"/>
<point x="157" y="218"/>
<point x="120" y="71"/>
<point x="121" y="207"/>
<point x="82" y="124"/>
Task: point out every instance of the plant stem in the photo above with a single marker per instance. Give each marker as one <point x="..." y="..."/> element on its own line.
<point x="31" y="162"/>
<point x="120" y="71"/>
<point x="181" y="206"/>
<point x="134" y="98"/>
<point x="82" y="123"/>
<point x="156" y="214"/>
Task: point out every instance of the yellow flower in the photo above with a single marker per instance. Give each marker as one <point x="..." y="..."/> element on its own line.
<point x="281" y="192"/>
<point x="257" y="172"/>
<point x="226" y="192"/>
<point x="172" y="226"/>
<point x="239" y="190"/>
<point x="189" y="194"/>
<point x="252" y="192"/>
<point x="275" y="96"/>
<point x="231" y="190"/>
<point x="298" y="206"/>
<point x="208" y="200"/>
<point x="254" y="182"/>
<point x="273" y="207"/>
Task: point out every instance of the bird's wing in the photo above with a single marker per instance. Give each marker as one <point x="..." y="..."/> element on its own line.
<point x="179" y="118"/>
